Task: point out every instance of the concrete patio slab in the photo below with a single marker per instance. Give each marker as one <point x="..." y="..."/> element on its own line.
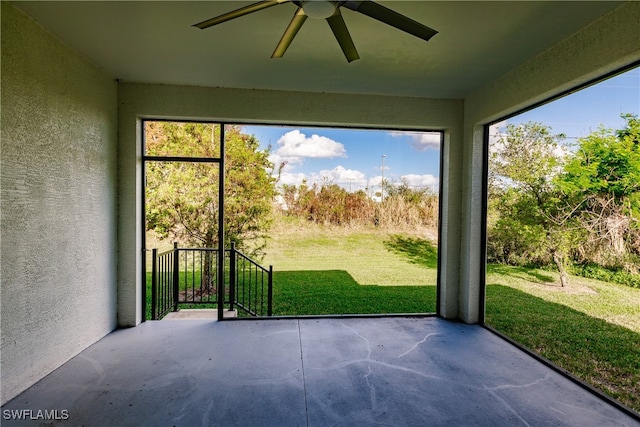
<point x="310" y="372"/>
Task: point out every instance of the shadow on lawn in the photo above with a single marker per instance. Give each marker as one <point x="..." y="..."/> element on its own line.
<point x="416" y="250"/>
<point x="336" y="292"/>
<point x="525" y="273"/>
<point x="605" y="355"/>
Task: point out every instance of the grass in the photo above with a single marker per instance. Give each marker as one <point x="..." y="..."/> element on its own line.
<point x="333" y="270"/>
<point x="370" y="256"/>
<point x="611" y="302"/>
<point x="336" y="292"/>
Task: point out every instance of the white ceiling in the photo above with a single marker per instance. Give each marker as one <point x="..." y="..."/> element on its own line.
<point x="155" y="42"/>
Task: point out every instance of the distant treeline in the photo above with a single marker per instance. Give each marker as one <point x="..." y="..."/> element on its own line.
<point x="328" y="203"/>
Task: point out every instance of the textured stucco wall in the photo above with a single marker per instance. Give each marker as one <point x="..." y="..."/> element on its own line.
<point x="163" y="101"/>
<point x="604" y="46"/>
<point x="59" y="201"/>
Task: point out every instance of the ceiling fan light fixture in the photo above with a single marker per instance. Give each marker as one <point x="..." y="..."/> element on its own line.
<point x="319" y="9"/>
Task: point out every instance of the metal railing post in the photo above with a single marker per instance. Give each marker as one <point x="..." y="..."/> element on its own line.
<point x="176" y="275"/>
<point x="154" y="283"/>
<point x="270" y="292"/>
<point x="232" y="276"/>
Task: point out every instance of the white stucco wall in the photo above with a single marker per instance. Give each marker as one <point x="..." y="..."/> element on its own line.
<point x="58" y="196"/>
<point x="239" y="105"/>
<point x="606" y="45"/>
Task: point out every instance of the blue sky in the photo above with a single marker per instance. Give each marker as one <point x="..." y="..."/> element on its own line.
<point x="353" y="158"/>
<point x="580" y="113"/>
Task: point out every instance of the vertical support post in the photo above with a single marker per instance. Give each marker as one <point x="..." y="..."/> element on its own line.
<point x="270" y="292"/>
<point x="232" y="276"/>
<point x="154" y="284"/>
<point x="144" y="285"/>
<point x="221" y="226"/>
<point x="176" y="275"/>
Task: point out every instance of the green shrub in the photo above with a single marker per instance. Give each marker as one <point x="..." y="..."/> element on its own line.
<point x="594" y="271"/>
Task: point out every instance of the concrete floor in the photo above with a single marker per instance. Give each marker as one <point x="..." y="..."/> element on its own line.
<point x="311" y="372"/>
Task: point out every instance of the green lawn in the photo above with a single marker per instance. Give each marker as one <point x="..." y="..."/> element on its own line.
<point x="369" y="256"/>
<point x="611" y="302"/>
<point x="332" y="270"/>
<point x="336" y="292"/>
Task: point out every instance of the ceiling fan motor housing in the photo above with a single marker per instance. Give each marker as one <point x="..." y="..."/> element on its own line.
<point x="318" y="9"/>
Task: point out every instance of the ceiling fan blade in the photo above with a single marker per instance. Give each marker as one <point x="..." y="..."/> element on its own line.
<point x="390" y="17"/>
<point x="238" y="13"/>
<point x="296" y="22"/>
<point x="341" y="32"/>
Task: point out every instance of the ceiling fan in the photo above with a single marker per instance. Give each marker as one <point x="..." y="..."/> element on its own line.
<point x="329" y="10"/>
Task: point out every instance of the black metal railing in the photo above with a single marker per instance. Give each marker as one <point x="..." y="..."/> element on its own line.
<point x="190" y="276"/>
<point x="250" y="285"/>
<point x="165" y="274"/>
<point x="198" y="279"/>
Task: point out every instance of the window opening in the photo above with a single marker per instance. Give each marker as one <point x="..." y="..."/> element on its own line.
<point x="563" y="233"/>
<point x="183" y="165"/>
<point x="348" y="218"/>
<point x="355" y="220"/>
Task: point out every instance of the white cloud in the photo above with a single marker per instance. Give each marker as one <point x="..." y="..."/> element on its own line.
<point x="289" y="178"/>
<point x="340" y="175"/>
<point x="348" y="179"/>
<point x="289" y="162"/>
<point x="421" y="141"/>
<point x="420" y="181"/>
<point x="295" y="146"/>
<point x="376" y="181"/>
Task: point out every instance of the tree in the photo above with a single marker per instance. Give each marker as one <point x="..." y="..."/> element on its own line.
<point x="604" y="176"/>
<point x="532" y="220"/>
<point x="182" y="197"/>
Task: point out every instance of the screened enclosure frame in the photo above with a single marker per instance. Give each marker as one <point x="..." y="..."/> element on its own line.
<point x="221" y="202"/>
<point x="221" y="186"/>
